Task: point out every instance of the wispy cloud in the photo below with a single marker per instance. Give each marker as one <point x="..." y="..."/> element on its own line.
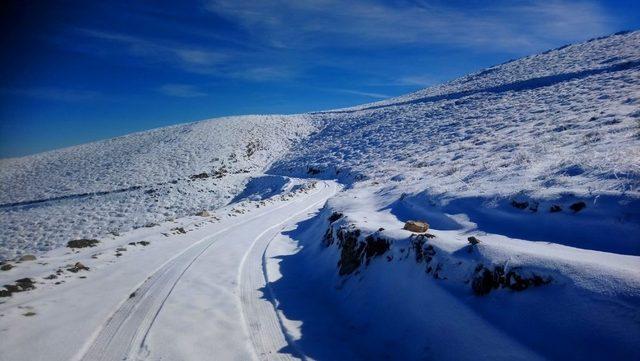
<point x="356" y="92"/>
<point x="226" y="63"/>
<point x="53" y="93"/>
<point x="508" y="26"/>
<point x="181" y="91"/>
<point x="189" y="58"/>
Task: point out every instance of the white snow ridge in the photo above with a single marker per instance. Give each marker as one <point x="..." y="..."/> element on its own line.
<point x="282" y="237"/>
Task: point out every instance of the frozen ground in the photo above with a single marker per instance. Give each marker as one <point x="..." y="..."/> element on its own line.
<point x="527" y="173"/>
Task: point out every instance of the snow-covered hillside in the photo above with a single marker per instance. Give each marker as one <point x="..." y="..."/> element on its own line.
<point x="528" y="174"/>
<point x="115" y="185"/>
<point x="551" y="129"/>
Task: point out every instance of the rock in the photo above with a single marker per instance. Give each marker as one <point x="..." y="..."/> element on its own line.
<point x="473" y="240"/>
<point x="144" y="243"/>
<point x="5" y="293"/>
<point x="519" y="205"/>
<point x="179" y="230"/>
<point x="27" y="257"/>
<point x="13" y="288"/>
<point x="555" y="208"/>
<point x="6" y="267"/>
<point x="203" y="214"/>
<point x="25" y="281"/>
<point x="578" y="206"/>
<point x="416" y="226"/>
<point x="78" y="267"/>
<point x="51" y="277"/>
<point x="334" y="217"/>
<point x="23" y="284"/>
<point x="121" y="249"/>
<point x="203" y="175"/>
<point x="82" y="243"/>
<point x="485" y="280"/>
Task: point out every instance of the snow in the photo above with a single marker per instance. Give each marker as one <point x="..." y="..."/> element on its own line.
<point x="537" y="158"/>
<point x="116" y="185"/>
<point x="120" y="300"/>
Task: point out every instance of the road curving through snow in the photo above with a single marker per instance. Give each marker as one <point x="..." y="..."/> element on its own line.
<point x="148" y="324"/>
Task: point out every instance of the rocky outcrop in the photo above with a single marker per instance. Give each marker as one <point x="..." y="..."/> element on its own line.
<point x="354" y="251"/>
<point x="416" y="226"/>
<point x="485" y="280"/>
<point x="357" y="249"/>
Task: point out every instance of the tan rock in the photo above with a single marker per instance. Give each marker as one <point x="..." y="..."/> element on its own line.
<point x="203" y="214"/>
<point x="27" y="257"/>
<point x="416" y="226"/>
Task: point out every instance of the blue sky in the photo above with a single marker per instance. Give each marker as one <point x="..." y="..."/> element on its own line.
<point x="77" y="71"/>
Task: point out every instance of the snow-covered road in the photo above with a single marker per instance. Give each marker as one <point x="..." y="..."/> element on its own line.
<point x="204" y="301"/>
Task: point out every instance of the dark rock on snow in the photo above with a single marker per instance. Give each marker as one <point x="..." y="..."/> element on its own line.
<point x="82" y="243"/>
<point x="578" y="206"/>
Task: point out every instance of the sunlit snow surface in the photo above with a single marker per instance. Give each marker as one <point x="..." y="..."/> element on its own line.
<point x="121" y="183"/>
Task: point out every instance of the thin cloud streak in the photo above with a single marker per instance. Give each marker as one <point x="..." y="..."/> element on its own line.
<point x="181" y="91"/>
<point x="53" y="93"/>
<point x="524" y="26"/>
<point x="196" y="59"/>
<point x="357" y="92"/>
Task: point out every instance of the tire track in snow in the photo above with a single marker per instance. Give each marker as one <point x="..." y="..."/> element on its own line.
<point x="264" y="325"/>
<point x="123" y="335"/>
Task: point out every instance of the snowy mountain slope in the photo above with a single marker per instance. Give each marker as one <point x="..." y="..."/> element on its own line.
<point x="567" y="134"/>
<point x="130" y="181"/>
<point x="599" y="55"/>
<point x="570" y="140"/>
<point x="527" y="173"/>
<point x="537" y="159"/>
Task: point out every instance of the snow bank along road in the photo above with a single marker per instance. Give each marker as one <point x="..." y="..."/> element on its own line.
<point x="204" y="301"/>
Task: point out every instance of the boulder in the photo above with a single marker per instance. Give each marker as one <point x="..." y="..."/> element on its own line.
<point x="334" y="217"/>
<point x="578" y="206"/>
<point x="82" y="243"/>
<point x="416" y="226"/>
<point x="473" y="240"/>
<point x="6" y="267"/>
<point x="27" y="257"/>
<point x="78" y="267"/>
<point x="203" y="214"/>
<point x="203" y="175"/>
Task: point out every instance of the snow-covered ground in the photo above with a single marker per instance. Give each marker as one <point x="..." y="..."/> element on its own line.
<point x="123" y="183"/>
<point x="528" y="174"/>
